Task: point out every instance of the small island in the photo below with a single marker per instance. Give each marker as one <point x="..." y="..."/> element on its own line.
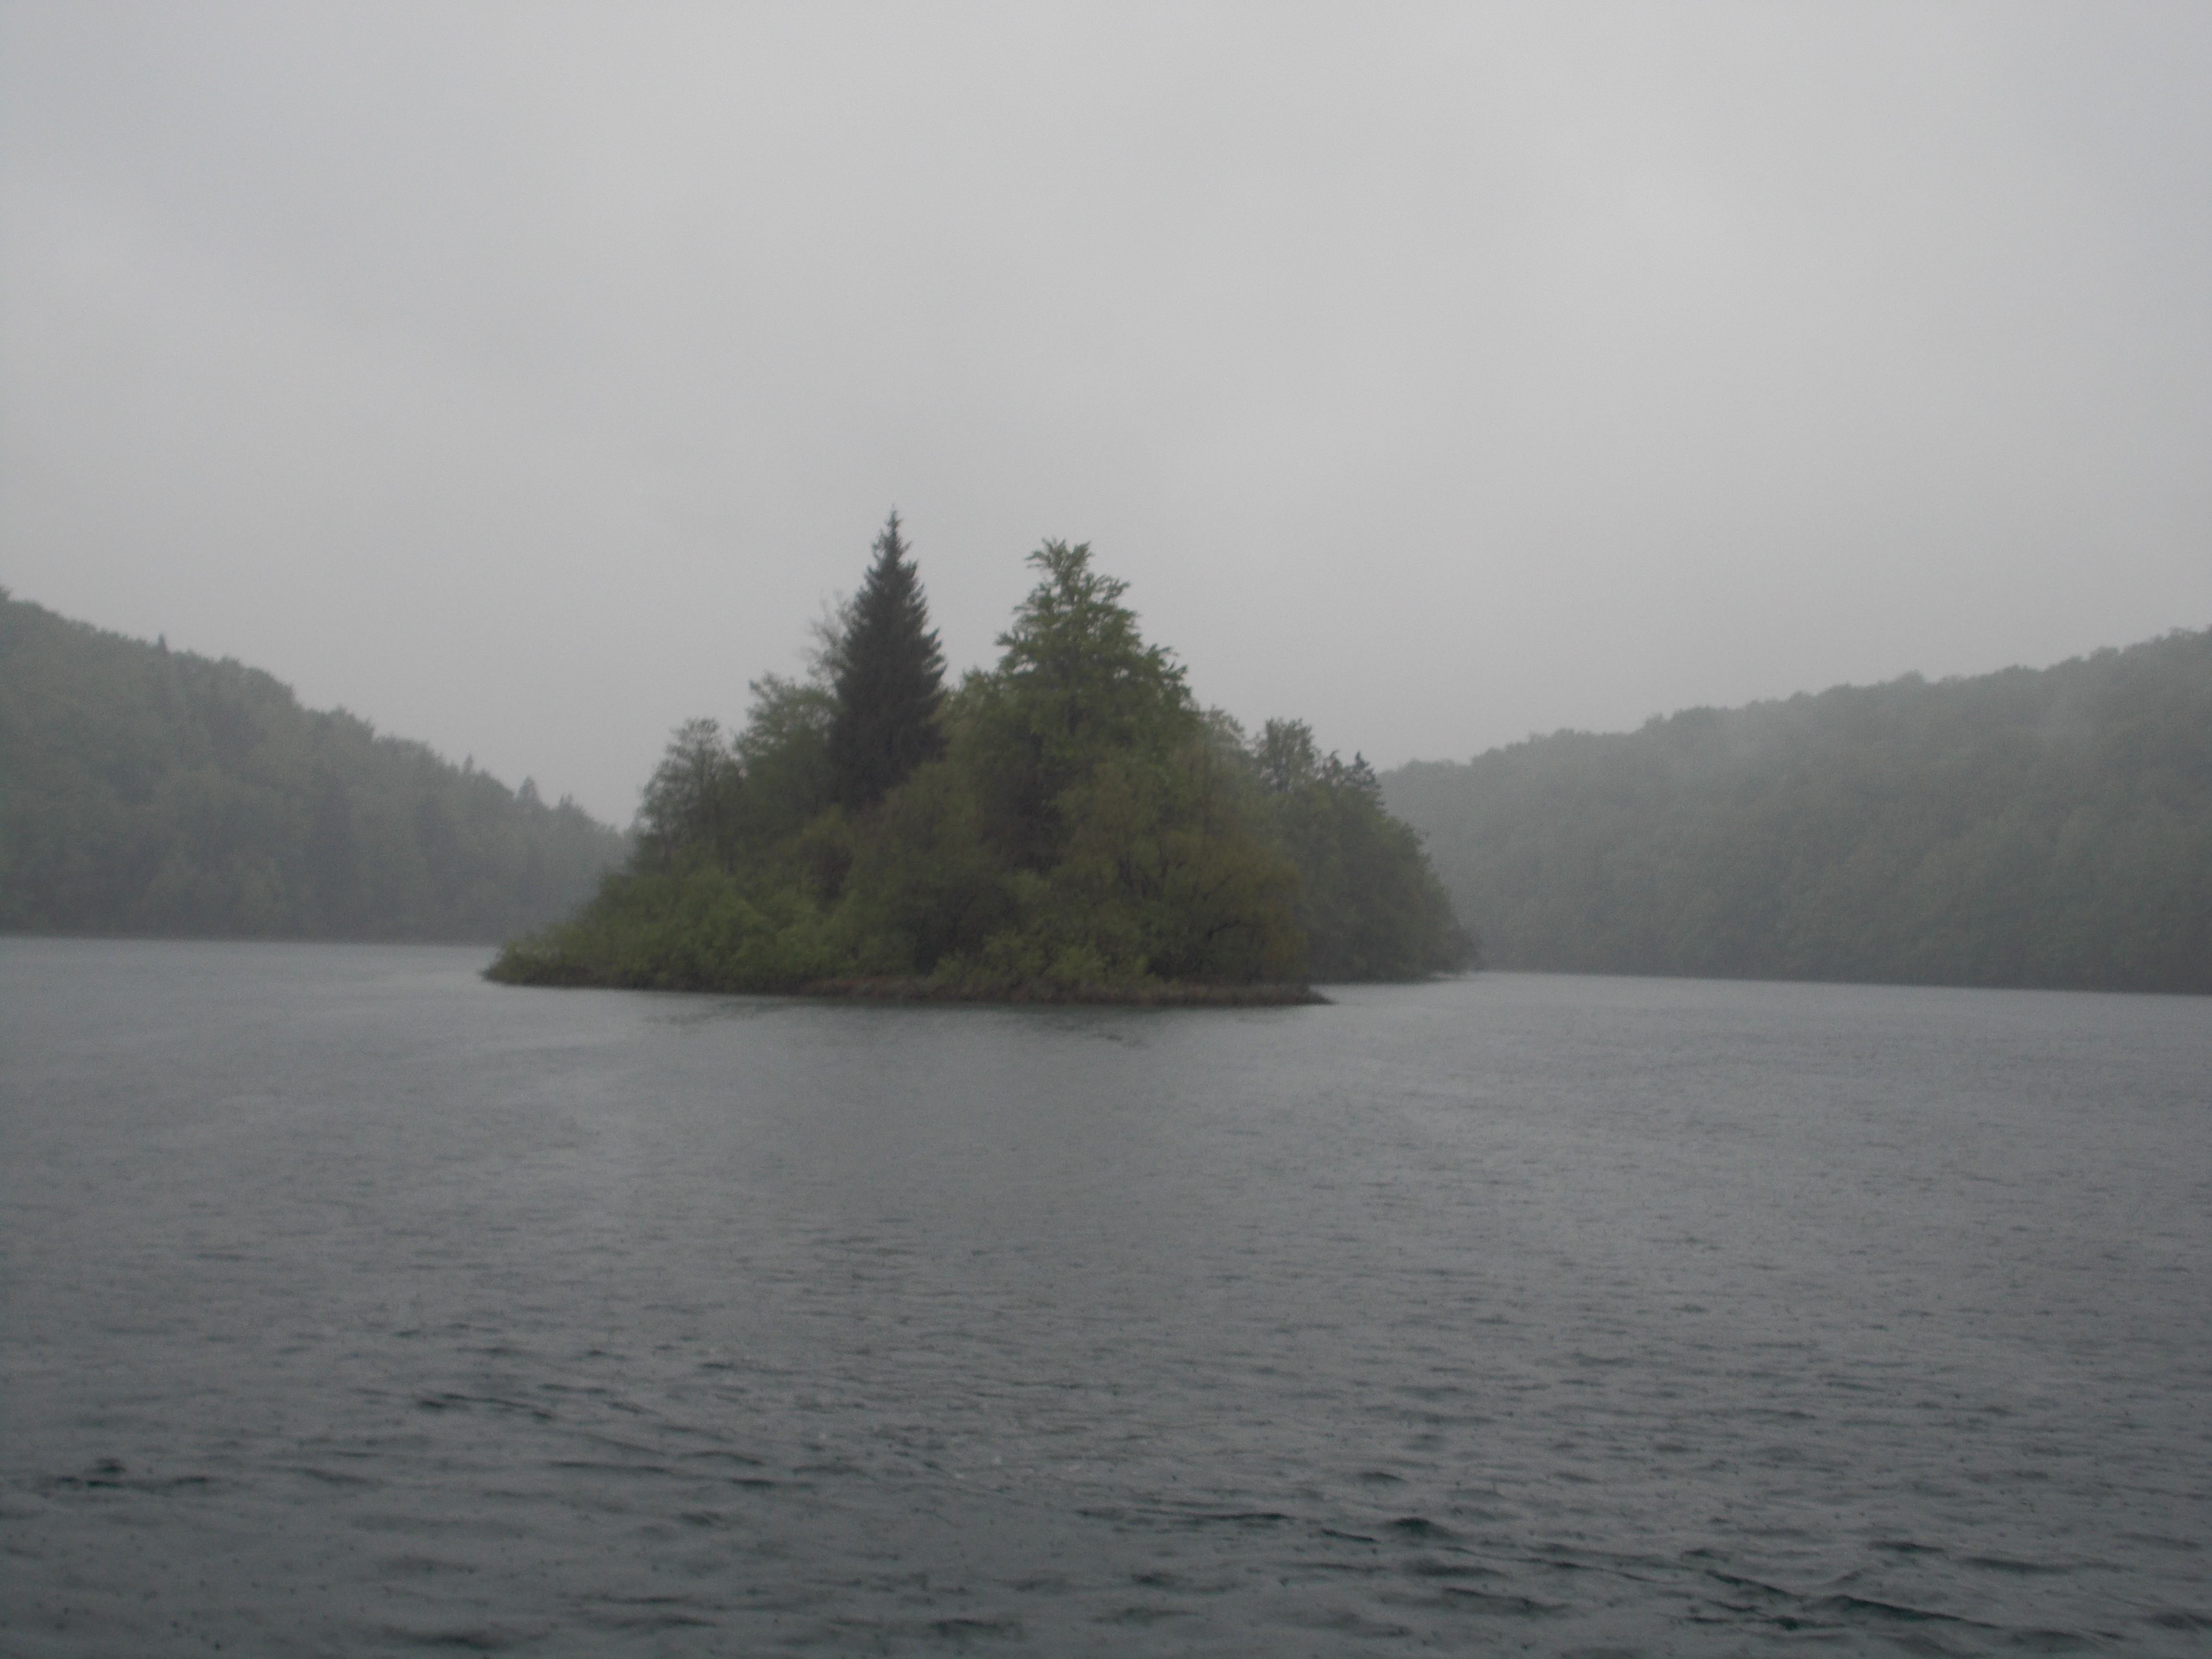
<point x="1070" y="826"/>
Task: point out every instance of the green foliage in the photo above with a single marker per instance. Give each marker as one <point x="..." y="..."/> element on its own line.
<point x="694" y="930"/>
<point x="1085" y="828"/>
<point x="1094" y="776"/>
<point x="888" y="682"/>
<point x="922" y="884"/>
<point x="693" y="809"/>
<point x="713" y="802"/>
<point x="2048" y="828"/>
<point x="784" y="753"/>
<point x="147" y="791"/>
<point x="1077" y="684"/>
<point x="1371" y="906"/>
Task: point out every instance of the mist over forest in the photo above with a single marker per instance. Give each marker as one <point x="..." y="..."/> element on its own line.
<point x="2029" y="828"/>
<point x="2047" y="827"/>
<point x="154" y="791"/>
<point x="1288" y="1023"/>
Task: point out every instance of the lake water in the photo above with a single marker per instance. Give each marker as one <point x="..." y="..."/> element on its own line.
<point x="354" y="1305"/>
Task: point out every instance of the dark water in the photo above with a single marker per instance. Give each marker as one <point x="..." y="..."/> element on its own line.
<point x="355" y="1306"/>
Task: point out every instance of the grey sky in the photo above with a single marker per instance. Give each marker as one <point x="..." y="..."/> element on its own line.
<point x="524" y="378"/>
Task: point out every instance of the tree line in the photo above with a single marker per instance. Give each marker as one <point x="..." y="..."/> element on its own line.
<point x="151" y="792"/>
<point x="2029" y="828"/>
<point x="1071" y="818"/>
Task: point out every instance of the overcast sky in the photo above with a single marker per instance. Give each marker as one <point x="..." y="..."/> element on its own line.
<point x="525" y="378"/>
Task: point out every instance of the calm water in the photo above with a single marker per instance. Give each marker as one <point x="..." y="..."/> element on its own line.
<point x="355" y="1306"/>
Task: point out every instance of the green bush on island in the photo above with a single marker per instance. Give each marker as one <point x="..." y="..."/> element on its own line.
<point x="1070" y="822"/>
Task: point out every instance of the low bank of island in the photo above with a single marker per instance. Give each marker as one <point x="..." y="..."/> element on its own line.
<point x="1158" y="994"/>
<point x="1068" y="826"/>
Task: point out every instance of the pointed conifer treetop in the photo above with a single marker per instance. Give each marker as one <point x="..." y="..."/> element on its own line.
<point x="890" y="681"/>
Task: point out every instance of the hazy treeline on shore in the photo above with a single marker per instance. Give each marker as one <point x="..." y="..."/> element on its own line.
<point x="1069" y="824"/>
<point x="2026" y="828"/>
<point x="148" y="791"/>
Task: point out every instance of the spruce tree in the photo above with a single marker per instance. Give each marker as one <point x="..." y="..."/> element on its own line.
<point x="890" y="681"/>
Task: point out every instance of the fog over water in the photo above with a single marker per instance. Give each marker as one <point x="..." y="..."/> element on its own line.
<point x="524" y="377"/>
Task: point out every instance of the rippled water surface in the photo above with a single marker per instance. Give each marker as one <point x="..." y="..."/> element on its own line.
<point x="354" y="1305"/>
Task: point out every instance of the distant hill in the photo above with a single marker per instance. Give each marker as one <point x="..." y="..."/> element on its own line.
<point x="147" y="791"/>
<point x="2032" y="828"/>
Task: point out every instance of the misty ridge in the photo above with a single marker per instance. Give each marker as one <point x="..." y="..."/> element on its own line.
<point x="147" y="791"/>
<point x="2046" y="828"/>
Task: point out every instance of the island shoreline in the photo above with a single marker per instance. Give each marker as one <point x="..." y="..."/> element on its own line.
<point x="1167" y="994"/>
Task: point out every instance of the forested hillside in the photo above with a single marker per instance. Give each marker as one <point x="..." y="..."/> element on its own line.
<point x="2039" y="828"/>
<point x="147" y="791"/>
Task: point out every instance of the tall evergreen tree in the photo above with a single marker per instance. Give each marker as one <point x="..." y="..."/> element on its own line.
<point x="890" y="681"/>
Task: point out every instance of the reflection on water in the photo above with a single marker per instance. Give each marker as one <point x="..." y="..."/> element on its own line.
<point x="354" y="1304"/>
